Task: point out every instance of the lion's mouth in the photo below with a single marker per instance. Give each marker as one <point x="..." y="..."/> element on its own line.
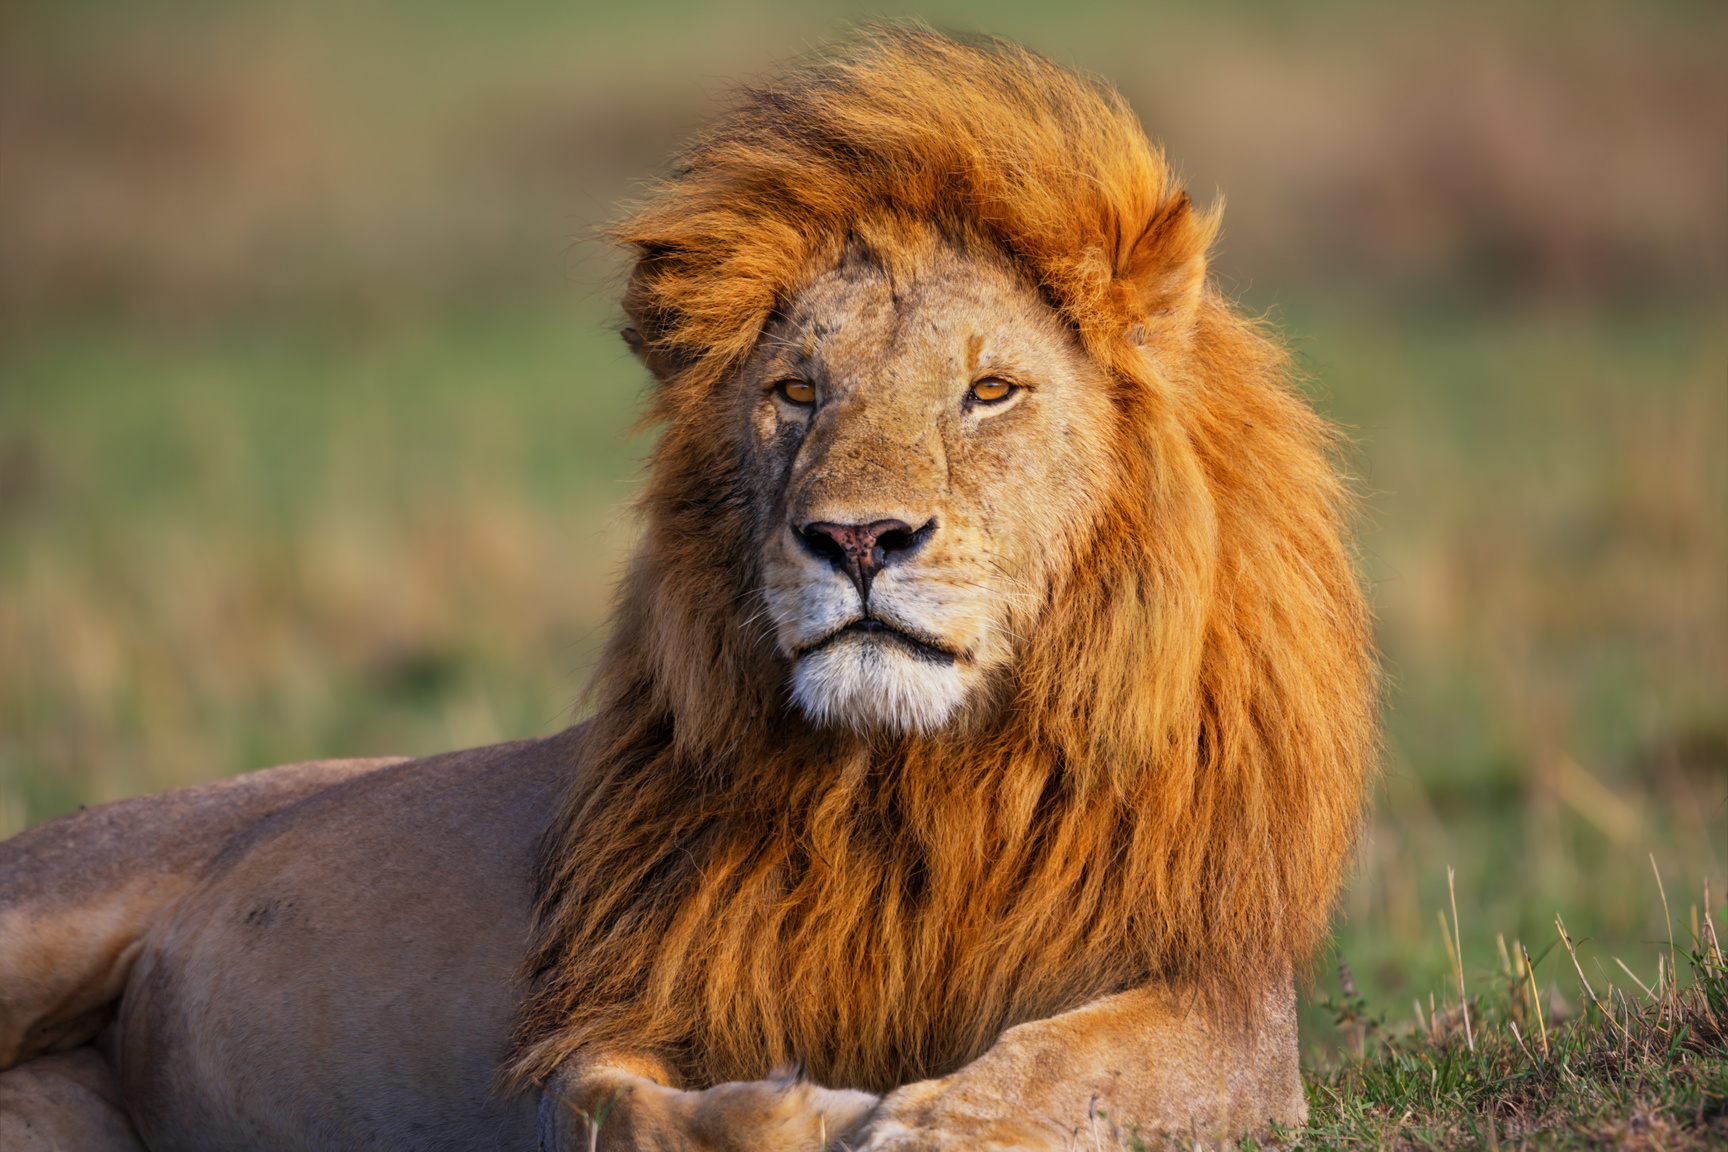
<point x="868" y="626"/>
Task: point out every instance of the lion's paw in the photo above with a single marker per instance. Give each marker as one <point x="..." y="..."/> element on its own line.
<point x="925" y="1118"/>
<point x="781" y="1112"/>
<point x="625" y="1110"/>
<point x="995" y="1136"/>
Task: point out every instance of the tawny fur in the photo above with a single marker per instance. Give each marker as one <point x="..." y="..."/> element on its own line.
<point x="1168" y="788"/>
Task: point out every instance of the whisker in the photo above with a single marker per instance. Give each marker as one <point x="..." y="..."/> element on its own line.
<point x="755" y="616"/>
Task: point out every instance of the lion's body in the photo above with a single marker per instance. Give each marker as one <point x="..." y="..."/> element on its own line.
<point x="985" y="724"/>
<point x="83" y="891"/>
<point x="337" y="969"/>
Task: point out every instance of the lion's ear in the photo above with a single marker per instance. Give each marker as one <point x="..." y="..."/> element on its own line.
<point x="639" y="345"/>
<point x="644" y="331"/>
<point x="1164" y="272"/>
<point x="663" y="367"/>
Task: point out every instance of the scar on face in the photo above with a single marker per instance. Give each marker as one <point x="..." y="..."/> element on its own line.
<point x="974" y="353"/>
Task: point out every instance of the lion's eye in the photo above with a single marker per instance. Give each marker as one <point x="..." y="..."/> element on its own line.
<point x="992" y="391"/>
<point x="797" y="391"/>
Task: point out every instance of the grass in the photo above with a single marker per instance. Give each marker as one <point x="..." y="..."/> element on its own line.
<point x="1553" y="636"/>
<point x="217" y="554"/>
<point x="1639" y="1062"/>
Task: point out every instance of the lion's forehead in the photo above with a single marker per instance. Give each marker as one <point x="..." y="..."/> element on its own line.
<point x="923" y="320"/>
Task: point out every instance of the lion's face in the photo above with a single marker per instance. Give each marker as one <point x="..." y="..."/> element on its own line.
<point x="932" y="442"/>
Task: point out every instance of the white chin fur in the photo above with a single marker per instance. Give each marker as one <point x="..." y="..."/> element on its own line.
<point x="871" y="684"/>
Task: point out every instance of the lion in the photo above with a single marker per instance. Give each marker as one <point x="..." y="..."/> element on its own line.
<point x="981" y="739"/>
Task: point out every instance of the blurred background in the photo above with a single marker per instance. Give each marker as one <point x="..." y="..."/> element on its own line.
<point x="315" y="434"/>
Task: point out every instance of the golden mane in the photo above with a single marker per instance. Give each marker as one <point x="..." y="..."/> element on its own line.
<point x="1174" y="785"/>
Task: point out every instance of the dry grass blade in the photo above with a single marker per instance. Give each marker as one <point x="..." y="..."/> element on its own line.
<point x="1667" y="919"/>
<point x="1458" y="959"/>
<point x="1535" y="999"/>
<point x="1710" y="924"/>
<point x="1572" y="951"/>
<point x="1645" y="988"/>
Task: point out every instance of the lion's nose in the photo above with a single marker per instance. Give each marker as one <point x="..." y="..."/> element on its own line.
<point x="862" y="550"/>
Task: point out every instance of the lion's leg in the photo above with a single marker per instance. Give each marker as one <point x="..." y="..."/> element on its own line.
<point x="1139" y="1062"/>
<point x="66" y="1101"/>
<point x="77" y="894"/>
<point x="636" y="1110"/>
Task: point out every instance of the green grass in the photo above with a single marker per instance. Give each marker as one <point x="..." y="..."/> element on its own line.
<point x="1634" y="1062"/>
<point x="279" y="543"/>
<point x="1546" y="550"/>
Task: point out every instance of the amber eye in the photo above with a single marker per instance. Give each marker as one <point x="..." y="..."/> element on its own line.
<point x="992" y="391"/>
<point x="797" y="391"/>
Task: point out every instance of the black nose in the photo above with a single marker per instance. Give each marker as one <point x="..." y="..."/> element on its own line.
<point x="862" y="550"/>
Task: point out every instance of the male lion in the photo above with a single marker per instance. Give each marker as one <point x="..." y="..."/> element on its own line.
<point x="983" y="731"/>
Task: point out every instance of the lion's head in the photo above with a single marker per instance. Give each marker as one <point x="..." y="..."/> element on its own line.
<point x="992" y="642"/>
